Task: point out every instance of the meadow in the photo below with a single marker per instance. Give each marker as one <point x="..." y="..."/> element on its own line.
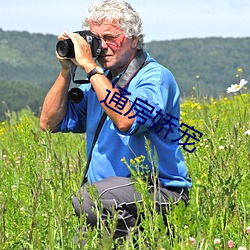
<point x="40" y="172"/>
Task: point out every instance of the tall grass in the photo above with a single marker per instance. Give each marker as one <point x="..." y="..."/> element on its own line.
<point x="40" y="172"/>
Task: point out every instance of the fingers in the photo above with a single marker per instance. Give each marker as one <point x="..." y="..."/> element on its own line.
<point x="63" y="36"/>
<point x="82" y="49"/>
<point x="70" y="35"/>
<point x="67" y="35"/>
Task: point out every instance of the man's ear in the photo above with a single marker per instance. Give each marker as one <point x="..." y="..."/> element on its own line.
<point x="134" y="42"/>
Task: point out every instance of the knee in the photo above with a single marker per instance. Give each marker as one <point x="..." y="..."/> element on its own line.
<point x="84" y="205"/>
<point x="77" y="206"/>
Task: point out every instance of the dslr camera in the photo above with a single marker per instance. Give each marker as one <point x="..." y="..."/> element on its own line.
<point x="65" y="48"/>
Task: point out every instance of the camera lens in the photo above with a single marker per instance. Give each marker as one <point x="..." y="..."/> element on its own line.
<point x="75" y="95"/>
<point x="65" y="48"/>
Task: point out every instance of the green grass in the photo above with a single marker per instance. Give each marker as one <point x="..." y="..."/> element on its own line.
<point x="40" y="172"/>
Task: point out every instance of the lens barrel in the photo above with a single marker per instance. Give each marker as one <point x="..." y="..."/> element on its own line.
<point x="75" y="95"/>
<point x="65" y="48"/>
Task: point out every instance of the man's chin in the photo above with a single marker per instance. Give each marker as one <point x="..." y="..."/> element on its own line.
<point x="105" y="63"/>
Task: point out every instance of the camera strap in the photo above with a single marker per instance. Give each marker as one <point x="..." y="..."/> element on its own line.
<point x="97" y="132"/>
<point x="136" y="64"/>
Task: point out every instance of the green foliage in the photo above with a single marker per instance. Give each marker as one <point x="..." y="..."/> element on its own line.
<point x="28" y="58"/>
<point x="208" y="64"/>
<point x="40" y="172"/>
<point x="28" y="68"/>
<point x="210" y="61"/>
<point x="14" y="95"/>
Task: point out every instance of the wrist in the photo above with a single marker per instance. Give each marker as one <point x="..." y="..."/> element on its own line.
<point x="90" y="67"/>
<point x="65" y="73"/>
<point x="94" y="71"/>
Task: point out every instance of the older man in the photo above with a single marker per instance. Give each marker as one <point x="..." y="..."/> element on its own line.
<point x="140" y="98"/>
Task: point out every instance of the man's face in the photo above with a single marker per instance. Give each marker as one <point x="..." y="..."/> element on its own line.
<point x="118" y="50"/>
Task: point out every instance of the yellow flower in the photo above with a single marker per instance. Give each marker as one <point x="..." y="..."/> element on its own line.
<point x="132" y="162"/>
<point x="138" y="160"/>
<point x="195" y="105"/>
<point x="240" y="70"/>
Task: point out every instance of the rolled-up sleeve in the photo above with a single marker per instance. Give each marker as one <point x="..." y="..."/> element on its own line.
<point x="75" y="117"/>
<point x="154" y="94"/>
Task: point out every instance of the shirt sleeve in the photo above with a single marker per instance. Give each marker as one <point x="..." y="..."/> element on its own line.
<point x="154" y="94"/>
<point x="75" y="117"/>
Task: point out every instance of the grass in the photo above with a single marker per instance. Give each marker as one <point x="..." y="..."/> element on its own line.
<point x="40" y="172"/>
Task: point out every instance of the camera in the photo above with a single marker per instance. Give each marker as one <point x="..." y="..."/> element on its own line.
<point x="65" y="48"/>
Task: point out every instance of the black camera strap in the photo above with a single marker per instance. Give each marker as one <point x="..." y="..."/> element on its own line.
<point x="136" y="64"/>
<point x="97" y="132"/>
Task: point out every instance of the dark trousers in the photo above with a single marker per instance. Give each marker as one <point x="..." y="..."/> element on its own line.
<point x="119" y="194"/>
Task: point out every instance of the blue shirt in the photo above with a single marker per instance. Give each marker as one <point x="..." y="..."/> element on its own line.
<point x="154" y="94"/>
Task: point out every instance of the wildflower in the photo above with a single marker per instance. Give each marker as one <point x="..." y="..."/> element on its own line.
<point x="240" y="70"/>
<point x="230" y="244"/>
<point x="198" y="182"/>
<point x="216" y="241"/>
<point x="247" y="133"/>
<point x="14" y="188"/>
<point x="195" y="105"/>
<point x="192" y="240"/>
<point x="221" y="147"/>
<point x="248" y="230"/>
<point x="237" y="87"/>
<point x="242" y="248"/>
<point x="132" y="162"/>
<point x="45" y="216"/>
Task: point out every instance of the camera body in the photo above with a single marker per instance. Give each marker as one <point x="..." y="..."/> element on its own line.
<point x="65" y="48"/>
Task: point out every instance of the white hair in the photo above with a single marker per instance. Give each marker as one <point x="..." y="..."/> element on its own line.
<point x="120" y="13"/>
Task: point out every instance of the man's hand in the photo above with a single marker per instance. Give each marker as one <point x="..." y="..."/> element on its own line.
<point x="66" y="63"/>
<point x="83" y="54"/>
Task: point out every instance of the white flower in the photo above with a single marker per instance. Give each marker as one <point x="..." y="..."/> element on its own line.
<point x="22" y="210"/>
<point x="217" y="241"/>
<point x="242" y="248"/>
<point x="247" y="132"/>
<point x="221" y="147"/>
<point x="192" y="240"/>
<point x="237" y="87"/>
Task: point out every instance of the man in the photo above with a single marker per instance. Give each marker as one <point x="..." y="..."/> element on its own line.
<point x="141" y="100"/>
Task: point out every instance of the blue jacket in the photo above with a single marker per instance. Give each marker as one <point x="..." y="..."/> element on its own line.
<point x="154" y="97"/>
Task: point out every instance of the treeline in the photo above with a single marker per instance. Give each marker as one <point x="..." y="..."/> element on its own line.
<point x="209" y="64"/>
<point x="28" y="66"/>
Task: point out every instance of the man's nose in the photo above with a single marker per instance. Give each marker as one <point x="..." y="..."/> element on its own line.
<point x="104" y="44"/>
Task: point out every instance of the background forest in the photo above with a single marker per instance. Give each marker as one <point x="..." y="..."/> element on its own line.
<point x="41" y="171"/>
<point x="204" y="67"/>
